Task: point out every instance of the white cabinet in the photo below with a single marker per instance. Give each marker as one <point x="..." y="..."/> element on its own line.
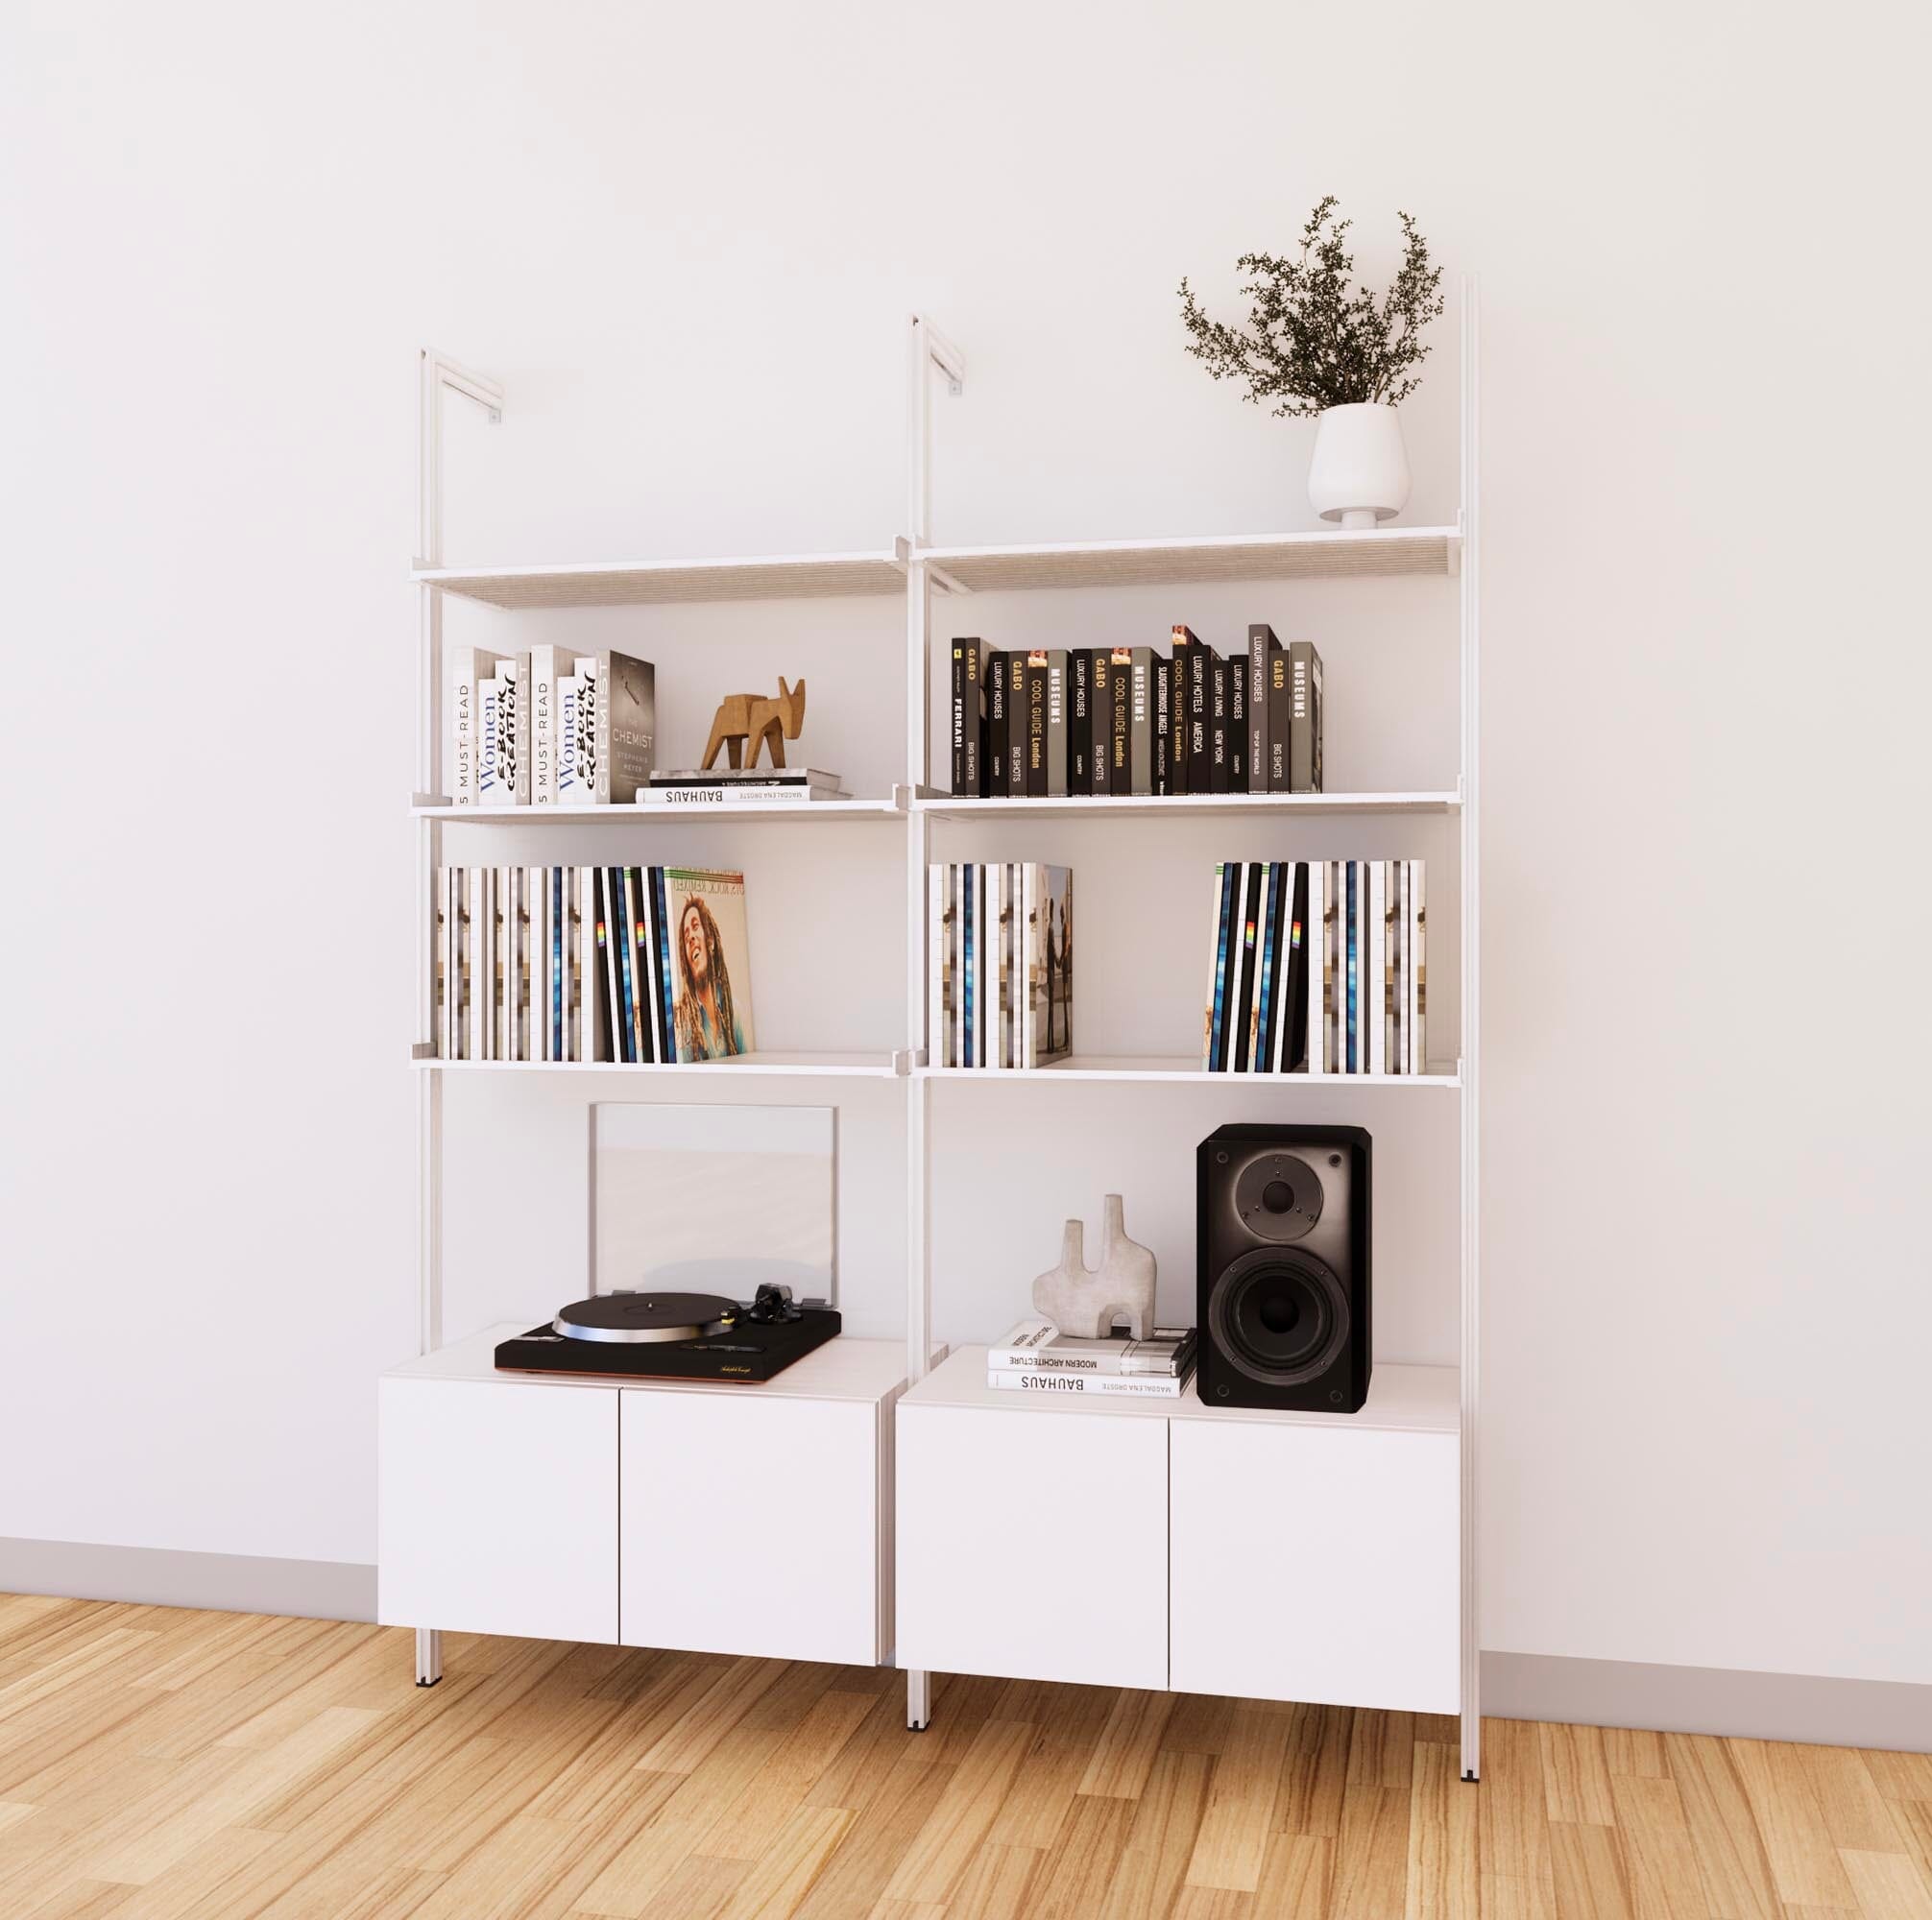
<point x="1032" y="1542"/>
<point x="752" y="1526"/>
<point x="497" y="1508"/>
<point x="1316" y="1563"/>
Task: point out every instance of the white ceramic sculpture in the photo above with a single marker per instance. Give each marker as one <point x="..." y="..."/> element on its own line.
<point x="1084" y="1302"/>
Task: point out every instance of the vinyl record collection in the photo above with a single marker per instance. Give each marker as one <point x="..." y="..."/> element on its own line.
<point x="1316" y="967"/>
<point x="1000" y="951"/>
<point x="631" y="965"/>
<point x="1065" y="722"/>
<point x="548" y="727"/>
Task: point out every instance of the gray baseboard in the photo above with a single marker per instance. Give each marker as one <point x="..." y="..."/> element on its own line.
<point x="238" y="1583"/>
<point x="1811" y="1708"/>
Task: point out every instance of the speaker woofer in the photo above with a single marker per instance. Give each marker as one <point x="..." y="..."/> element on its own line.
<point x="1280" y="1317"/>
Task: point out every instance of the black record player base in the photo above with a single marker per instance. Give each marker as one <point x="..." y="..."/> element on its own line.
<point x="748" y="1353"/>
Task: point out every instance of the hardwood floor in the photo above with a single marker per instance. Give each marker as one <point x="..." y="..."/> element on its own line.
<point x="168" y="1765"/>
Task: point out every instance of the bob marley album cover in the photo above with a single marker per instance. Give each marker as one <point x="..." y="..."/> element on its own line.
<point x="710" y="961"/>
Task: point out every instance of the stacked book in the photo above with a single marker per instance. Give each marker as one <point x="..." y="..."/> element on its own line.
<point x="729" y="786"/>
<point x="1316" y="967"/>
<point x="1036" y="1358"/>
<point x="632" y="965"/>
<point x="1000" y="951"/>
<point x="1064" y="722"/>
<point x="548" y="727"/>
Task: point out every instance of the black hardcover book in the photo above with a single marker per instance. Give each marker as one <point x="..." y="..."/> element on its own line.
<point x="1300" y="957"/>
<point x="1277" y="718"/>
<point x="1177" y="723"/>
<point x="1103" y="719"/>
<point x="1216" y="725"/>
<point x="1304" y="739"/>
<point x="959" y="713"/>
<point x="996" y="723"/>
<point x="976" y="719"/>
<point x="1261" y="642"/>
<point x="1237" y="726"/>
<point x="1242" y="1025"/>
<point x="641" y="961"/>
<point x="1141" y="720"/>
<point x="1035" y="787"/>
<point x="1056" y="723"/>
<point x="1200" y="697"/>
<point x="1016" y="724"/>
<point x="1119" y="755"/>
<point x="1164" y="727"/>
<point x="1081" y="720"/>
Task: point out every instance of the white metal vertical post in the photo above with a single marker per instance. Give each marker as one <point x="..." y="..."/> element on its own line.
<point x="434" y="375"/>
<point x="930" y="350"/>
<point x="1472" y="1051"/>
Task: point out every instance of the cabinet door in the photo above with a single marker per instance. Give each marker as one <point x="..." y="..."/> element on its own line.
<point x="751" y="1525"/>
<point x="1317" y="1564"/>
<point x="1033" y="1543"/>
<point x="497" y="1508"/>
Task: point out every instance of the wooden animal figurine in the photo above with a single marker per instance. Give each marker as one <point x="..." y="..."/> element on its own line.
<point x="1084" y="1302"/>
<point x="757" y="720"/>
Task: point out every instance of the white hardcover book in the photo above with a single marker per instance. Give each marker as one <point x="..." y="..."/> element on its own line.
<point x="575" y="751"/>
<point x="1123" y="1386"/>
<point x="1375" y="997"/>
<point x="469" y="668"/>
<point x="496" y="706"/>
<point x="1418" y="986"/>
<point x="518" y="729"/>
<point x="547" y="666"/>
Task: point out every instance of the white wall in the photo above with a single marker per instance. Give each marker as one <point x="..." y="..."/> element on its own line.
<point x="687" y="239"/>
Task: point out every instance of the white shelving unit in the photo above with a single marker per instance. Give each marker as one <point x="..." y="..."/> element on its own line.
<point x="1433" y="1417"/>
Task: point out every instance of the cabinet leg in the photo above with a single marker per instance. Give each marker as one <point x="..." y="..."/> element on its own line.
<point x="918" y="1698"/>
<point x="429" y="1656"/>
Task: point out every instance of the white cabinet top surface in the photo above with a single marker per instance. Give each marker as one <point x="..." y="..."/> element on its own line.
<point x="844" y="1368"/>
<point x="1400" y="1399"/>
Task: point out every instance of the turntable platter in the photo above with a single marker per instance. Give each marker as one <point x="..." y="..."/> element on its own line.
<point x="627" y="1318"/>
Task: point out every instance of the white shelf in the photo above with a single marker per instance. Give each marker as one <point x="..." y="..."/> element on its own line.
<point x="1182" y="1066"/>
<point x="1400" y="1399"/>
<point x="646" y="583"/>
<point x="636" y="816"/>
<point x="1186" y="807"/>
<point x="851" y="1066"/>
<point x="1381" y="552"/>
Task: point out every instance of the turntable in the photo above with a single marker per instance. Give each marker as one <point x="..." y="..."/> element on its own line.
<point x="662" y="1335"/>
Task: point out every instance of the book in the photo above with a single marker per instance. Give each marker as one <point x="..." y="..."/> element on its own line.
<point x="1237" y="725"/>
<point x="1304" y="737"/>
<point x="1035" y="787"/>
<point x="1218" y="759"/>
<point x="1016" y="724"/>
<point x="736" y="777"/>
<point x="576" y="736"/>
<point x="1103" y="720"/>
<point x="1141" y="720"/>
<point x="1182" y="639"/>
<point x="996" y="723"/>
<point x="1079" y="720"/>
<point x="1277" y="717"/>
<point x="507" y="692"/>
<point x="1201" y="659"/>
<point x="711" y="963"/>
<point x="1144" y="1387"/>
<point x="1056" y="723"/>
<point x="1121" y="718"/>
<point x="1048" y="979"/>
<point x="1163" y="727"/>
<point x="1035" y="1345"/>
<point x="548" y="667"/>
<point x="624" y="701"/>
<point x="1262" y="645"/>
<point x="469" y="668"/>
<point x="973" y="732"/>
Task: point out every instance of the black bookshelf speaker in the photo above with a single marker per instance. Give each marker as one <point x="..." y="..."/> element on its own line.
<point x="1282" y="1216"/>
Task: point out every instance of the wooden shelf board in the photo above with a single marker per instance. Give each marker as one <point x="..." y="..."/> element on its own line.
<point x="635" y="816"/>
<point x="1400" y="1399"/>
<point x="866" y="1066"/>
<point x="1182" y="1068"/>
<point x="1381" y="552"/>
<point x="1190" y="806"/>
<point x="663" y="582"/>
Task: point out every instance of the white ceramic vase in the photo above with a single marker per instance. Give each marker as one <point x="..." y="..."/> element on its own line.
<point x="1359" y="474"/>
<point x="1084" y="1302"/>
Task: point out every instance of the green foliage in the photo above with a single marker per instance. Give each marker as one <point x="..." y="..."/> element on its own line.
<point x="1316" y="340"/>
